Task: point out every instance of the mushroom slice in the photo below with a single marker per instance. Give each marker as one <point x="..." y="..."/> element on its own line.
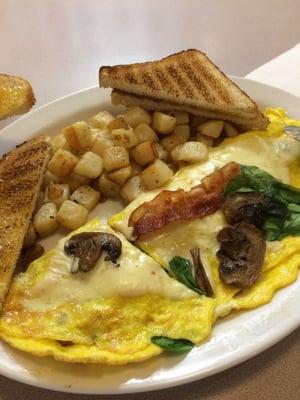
<point x="86" y="247"/>
<point x="247" y="207"/>
<point x="241" y="254"/>
<point x="200" y="273"/>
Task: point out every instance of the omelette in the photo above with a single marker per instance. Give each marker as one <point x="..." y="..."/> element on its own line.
<point x="131" y="307"/>
<point x="273" y="152"/>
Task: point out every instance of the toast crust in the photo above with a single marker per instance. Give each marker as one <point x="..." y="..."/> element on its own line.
<point x="21" y="174"/>
<point x="129" y="100"/>
<point x="188" y="78"/>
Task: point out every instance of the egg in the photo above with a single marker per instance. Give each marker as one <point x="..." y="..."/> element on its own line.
<point x="270" y="150"/>
<point x="106" y="315"/>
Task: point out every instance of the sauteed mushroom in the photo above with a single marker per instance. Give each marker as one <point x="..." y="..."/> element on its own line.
<point x="241" y="254"/>
<point x="247" y="207"/>
<point x="86" y="247"/>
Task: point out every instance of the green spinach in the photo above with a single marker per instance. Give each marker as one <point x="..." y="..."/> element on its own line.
<point x="281" y="201"/>
<point x="183" y="272"/>
<point x="173" y="345"/>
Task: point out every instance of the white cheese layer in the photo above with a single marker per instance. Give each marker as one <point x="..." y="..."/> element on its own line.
<point x="136" y="275"/>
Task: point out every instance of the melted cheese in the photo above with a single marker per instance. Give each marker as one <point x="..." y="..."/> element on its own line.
<point x="271" y="152"/>
<point x="136" y="275"/>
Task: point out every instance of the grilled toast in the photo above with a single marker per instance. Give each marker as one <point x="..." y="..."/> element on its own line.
<point x="21" y="173"/>
<point x="186" y="81"/>
<point x="16" y="96"/>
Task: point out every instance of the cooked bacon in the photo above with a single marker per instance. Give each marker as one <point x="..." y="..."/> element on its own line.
<point x="169" y="206"/>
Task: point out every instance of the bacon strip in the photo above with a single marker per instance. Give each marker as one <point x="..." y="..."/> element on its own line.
<point x="169" y="206"/>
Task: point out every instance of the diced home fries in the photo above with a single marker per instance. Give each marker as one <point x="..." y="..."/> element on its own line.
<point x="117" y="157"/>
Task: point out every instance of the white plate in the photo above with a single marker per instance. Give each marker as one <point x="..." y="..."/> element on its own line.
<point x="233" y="340"/>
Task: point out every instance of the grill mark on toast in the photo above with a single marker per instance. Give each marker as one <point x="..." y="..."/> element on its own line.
<point x="183" y="84"/>
<point x="147" y="80"/>
<point x="165" y="81"/>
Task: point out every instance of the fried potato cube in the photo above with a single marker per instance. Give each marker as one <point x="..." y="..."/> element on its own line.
<point x="144" y="153"/>
<point x="57" y="193"/>
<point x="90" y="165"/>
<point x="120" y="176"/>
<point x="49" y="178"/>
<point x="173" y="140"/>
<point x="124" y="137"/>
<point x="162" y="153"/>
<point x="72" y="215"/>
<point x="107" y="187"/>
<point x="118" y="123"/>
<point x="45" y="220"/>
<point x="145" y="133"/>
<point x="190" y="152"/>
<point x="132" y="188"/>
<point x="86" y="196"/>
<point x="182" y="117"/>
<point x="102" y="141"/>
<point x="62" y="162"/>
<point x="137" y="115"/>
<point x="183" y="130"/>
<point x="208" y="141"/>
<point x="78" y="135"/>
<point x="30" y="237"/>
<point x="230" y="130"/>
<point x="59" y="142"/>
<point x="163" y="123"/>
<point x="102" y="119"/>
<point x="211" y="128"/>
<point x="156" y="174"/>
<point x="115" y="158"/>
<point x="136" y="169"/>
<point x="74" y="181"/>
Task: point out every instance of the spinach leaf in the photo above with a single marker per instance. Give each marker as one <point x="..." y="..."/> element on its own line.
<point x="173" y="345"/>
<point x="281" y="201"/>
<point x="183" y="271"/>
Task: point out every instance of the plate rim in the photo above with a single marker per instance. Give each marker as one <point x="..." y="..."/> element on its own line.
<point x="246" y="353"/>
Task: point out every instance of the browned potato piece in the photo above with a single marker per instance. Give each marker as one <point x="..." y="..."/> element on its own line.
<point x="57" y="193"/>
<point x="162" y="153"/>
<point x="102" y="141"/>
<point x="120" y="176"/>
<point x="90" y="165"/>
<point x="72" y="215"/>
<point x="163" y="123"/>
<point x="137" y="115"/>
<point x="86" y="196"/>
<point x="74" y="181"/>
<point x="62" y="163"/>
<point x="45" y="220"/>
<point x="117" y="123"/>
<point x="144" y="153"/>
<point x="145" y="133"/>
<point x="59" y="142"/>
<point x="208" y="141"/>
<point x="156" y="174"/>
<point x="190" y="152"/>
<point x="182" y="117"/>
<point x="173" y="140"/>
<point x="115" y="158"/>
<point x="48" y="178"/>
<point x="124" y="137"/>
<point x="183" y="130"/>
<point x="211" y="128"/>
<point x="230" y="130"/>
<point x="102" y="119"/>
<point x="107" y="187"/>
<point x="136" y="169"/>
<point x="132" y="189"/>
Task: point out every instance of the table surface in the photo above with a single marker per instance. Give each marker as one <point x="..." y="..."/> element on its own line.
<point x="59" y="45"/>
